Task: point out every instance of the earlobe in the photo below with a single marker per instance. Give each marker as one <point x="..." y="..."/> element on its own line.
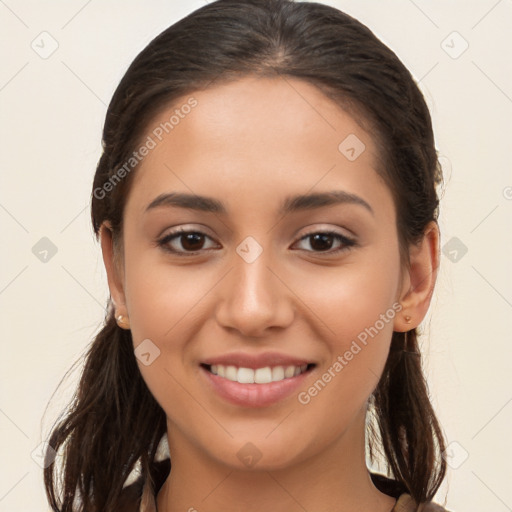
<point x="113" y="269"/>
<point x="422" y="275"/>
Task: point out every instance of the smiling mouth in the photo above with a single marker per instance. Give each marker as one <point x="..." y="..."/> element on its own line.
<point x="264" y="375"/>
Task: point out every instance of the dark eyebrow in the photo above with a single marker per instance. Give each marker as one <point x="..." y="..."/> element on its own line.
<point x="320" y="199"/>
<point x="290" y="204"/>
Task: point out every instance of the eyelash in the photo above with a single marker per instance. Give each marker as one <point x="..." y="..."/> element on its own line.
<point x="348" y="243"/>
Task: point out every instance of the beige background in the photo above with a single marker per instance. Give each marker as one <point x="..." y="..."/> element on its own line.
<point x="52" y="111"/>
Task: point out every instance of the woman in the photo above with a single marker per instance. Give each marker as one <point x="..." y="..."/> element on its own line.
<point x="267" y="210"/>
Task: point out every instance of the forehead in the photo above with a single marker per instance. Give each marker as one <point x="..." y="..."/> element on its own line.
<point x="259" y="134"/>
<point x="260" y="110"/>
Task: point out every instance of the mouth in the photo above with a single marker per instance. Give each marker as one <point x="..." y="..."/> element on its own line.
<point x="254" y="387"/>
<point x="263" y="375"/>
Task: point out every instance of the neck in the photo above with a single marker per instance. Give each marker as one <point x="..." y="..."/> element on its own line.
<point x="334" y="480"/>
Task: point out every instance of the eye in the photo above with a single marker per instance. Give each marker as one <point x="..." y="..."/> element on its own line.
<point x="322" y="241"/>
<point x="191" y="242"/>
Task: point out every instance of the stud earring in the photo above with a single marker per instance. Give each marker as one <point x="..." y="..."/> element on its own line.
<point x="407" y="319"/>
<point x="123" y="321"/>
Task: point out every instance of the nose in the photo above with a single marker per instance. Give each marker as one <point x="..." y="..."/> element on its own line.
<point x="254" y="298"/>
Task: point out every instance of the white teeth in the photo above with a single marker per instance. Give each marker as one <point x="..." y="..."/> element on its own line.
<point x="263" y="375"/>
<point x="277" y="373"/>
<point x="289" y="371"/>
<point x="259" y="376"/>
<point x="245" y="376"/>
<point x="231" y="372"/>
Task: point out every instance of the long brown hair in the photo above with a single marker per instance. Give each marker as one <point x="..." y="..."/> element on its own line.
<point x="113" y="419"/>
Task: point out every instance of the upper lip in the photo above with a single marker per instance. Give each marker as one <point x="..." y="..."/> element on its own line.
<point x="244" y="360"/>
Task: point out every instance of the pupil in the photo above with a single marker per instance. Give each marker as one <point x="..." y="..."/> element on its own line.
<point x="323" y="244"/>
<point x="192" y="237"/>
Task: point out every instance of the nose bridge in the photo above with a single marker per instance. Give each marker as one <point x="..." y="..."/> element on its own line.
<point x="253" y="298"/>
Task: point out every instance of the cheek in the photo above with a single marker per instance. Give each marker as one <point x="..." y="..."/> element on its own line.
<point x="163" y="305"/>
<point x="161" y="298"/>
<point x="355" y="306"/>
<point x="351" y="299"/>
<point x="360" y="325"/>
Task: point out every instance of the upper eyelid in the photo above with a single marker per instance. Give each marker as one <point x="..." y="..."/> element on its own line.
<point x="184" y="230"/>
<point x="175" y="234"/>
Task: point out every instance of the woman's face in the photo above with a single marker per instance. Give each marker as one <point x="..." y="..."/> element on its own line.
<point x="254" y="288"/>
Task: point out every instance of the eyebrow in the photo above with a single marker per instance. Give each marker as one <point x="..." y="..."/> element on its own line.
<point x="290" y="204"/>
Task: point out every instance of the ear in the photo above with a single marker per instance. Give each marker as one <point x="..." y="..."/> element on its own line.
<point x="113" y="268"/>
<point x="420" y="280"/>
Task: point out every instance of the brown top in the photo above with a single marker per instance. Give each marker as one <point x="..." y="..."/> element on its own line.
<point x="131" y="496"/>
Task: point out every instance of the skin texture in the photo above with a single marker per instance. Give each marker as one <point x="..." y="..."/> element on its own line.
<point x="250" y="144"/>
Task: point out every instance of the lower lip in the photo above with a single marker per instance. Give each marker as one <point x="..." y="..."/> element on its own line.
<point x="253" y="395"/>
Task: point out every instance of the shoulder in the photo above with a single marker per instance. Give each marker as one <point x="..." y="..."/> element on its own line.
<point x="431" y="507"/>
<point x="405" y="503"/>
